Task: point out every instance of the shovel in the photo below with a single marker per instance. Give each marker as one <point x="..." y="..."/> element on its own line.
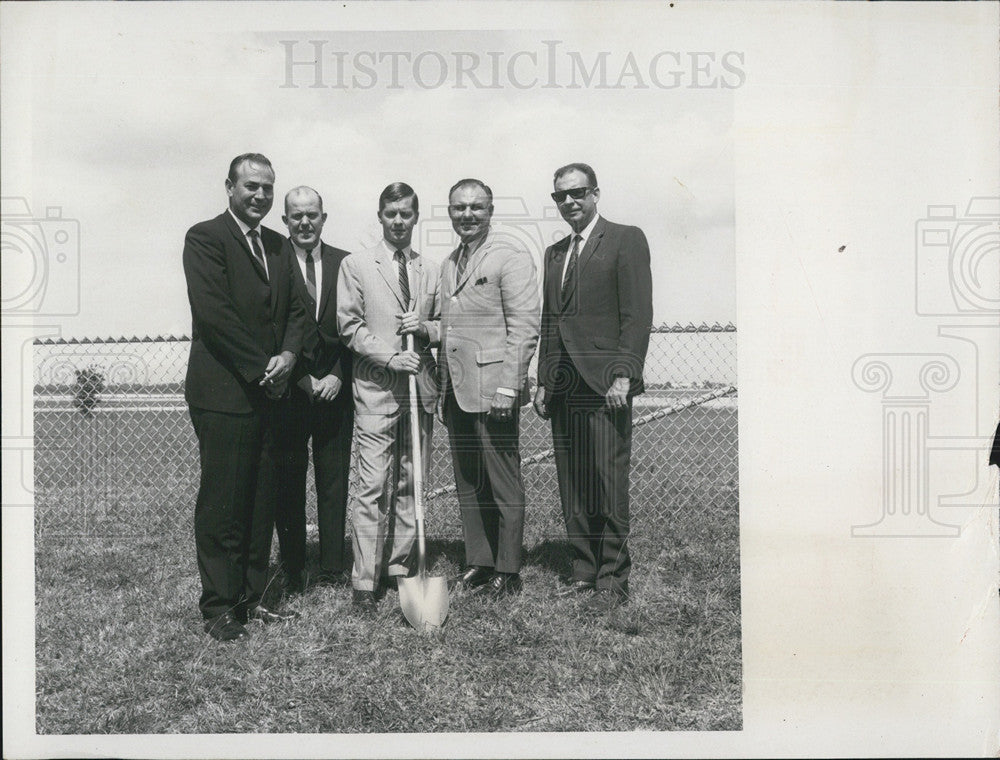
<point x="423" y="599"/>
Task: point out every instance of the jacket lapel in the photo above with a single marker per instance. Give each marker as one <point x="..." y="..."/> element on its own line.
<point x="234" y="228"/>
<point x="329" y="275"/>
<point x="449" y="272"/>
<point x="593" y="242"/>
<point x="555" y="271"/>
<point x="274" y="264"/>
<point x="300" y="283"/>
<point x="390" y="273"/>
<point x="416" y="280"/>
<point x="474" y="261"/>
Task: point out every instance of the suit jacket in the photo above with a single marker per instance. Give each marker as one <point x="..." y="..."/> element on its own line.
<point x="324" y="352"/>
<point x="489" y="322"/>
<point x="606" y="320"/>
<point x="368" y="300"/>
<point x="995" y="449"/>
<point x="240" y="317"/>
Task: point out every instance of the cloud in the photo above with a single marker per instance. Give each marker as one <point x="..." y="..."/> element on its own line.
<point x="133" y="130"/>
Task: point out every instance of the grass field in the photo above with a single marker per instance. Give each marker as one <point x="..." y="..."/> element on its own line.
<point x="119" y="645"/>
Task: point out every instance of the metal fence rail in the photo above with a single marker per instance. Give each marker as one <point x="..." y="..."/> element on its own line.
<point x="115" y="453"/>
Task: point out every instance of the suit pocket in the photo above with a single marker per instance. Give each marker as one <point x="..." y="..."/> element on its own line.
<point x="608" y="344"/>
<point x="490" y="355"/>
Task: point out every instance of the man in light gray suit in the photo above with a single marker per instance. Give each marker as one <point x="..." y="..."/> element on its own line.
<point x="383" y="294"/>
<point x="489" y="329"/>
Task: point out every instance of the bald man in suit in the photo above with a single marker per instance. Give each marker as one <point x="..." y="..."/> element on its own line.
<point x="319" y="406"/>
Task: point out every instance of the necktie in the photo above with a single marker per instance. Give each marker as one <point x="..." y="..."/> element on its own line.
<point x="404" y="278"/>
<point x="570" y="278"/>
<point x="311" y="275"/>
<point x="463" y="259"/>
<point x="257" y="250"/>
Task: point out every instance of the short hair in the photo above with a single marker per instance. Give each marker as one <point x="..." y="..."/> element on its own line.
<point x="303" y="189"/>
<point x="582" y="168"/>
<point x="398" y="191"/>
<point x="470" y="182"/>
<point x="255" y="158"/>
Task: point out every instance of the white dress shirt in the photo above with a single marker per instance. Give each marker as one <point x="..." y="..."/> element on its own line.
<point x="300" y="256"/>
<point x="245" y="229"/>
<point x="409" y="255"/>
<point x="584" y="234"/>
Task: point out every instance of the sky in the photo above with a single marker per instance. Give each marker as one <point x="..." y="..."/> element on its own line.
<point x="129" y="131"/>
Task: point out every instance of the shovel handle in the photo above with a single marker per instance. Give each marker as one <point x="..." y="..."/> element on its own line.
<point x="416" y="458"/>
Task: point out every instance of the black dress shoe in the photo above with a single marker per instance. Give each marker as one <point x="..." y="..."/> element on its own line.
<point x="475" y="576"/>
<point x="502" y="584"/>
<point x="576" y="587"/>
<point x="225" y="627"/>
<point x="364" y="602"/>
<point x="266" y="616"/>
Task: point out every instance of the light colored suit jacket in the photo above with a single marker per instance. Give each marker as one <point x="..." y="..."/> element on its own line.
<point x="368" y="300"/>
<point x="489" y="322"/>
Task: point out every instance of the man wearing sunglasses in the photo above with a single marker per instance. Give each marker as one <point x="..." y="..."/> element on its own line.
<point x="597" y="311"/>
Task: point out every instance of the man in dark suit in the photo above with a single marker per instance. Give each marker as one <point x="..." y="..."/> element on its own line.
<point x="597" y="312"/>
<point x="245" y="336"/>
<point x="319" y="405"/>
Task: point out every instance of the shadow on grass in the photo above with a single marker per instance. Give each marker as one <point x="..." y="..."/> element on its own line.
<point x="549" y="554"/>
<point x="446" y="551"/>
<point x="555" y="556"/>
<point x="450" y="550"/>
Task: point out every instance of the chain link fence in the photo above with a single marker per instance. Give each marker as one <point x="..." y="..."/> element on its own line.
<point x="116" y="456"/>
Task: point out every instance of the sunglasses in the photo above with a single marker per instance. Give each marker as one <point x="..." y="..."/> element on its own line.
<point x="577" y="193"/>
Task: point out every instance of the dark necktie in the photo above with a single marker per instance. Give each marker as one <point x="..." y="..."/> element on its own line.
<point x="570" y="278"/>
<point x="257" y="250"/>
<point x="463" y="260"/>
<point x="404" y="278"/>
<point x="311" y="276"/>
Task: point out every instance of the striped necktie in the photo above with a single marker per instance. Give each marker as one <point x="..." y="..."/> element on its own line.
<point x="570" y="279"/>
<point x="404" y="278"/>
<point x="257" y="250"/>
<point x="311" y="275"/>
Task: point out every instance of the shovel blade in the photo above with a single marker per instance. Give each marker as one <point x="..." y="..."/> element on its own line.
<point x="424" y="601"/>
